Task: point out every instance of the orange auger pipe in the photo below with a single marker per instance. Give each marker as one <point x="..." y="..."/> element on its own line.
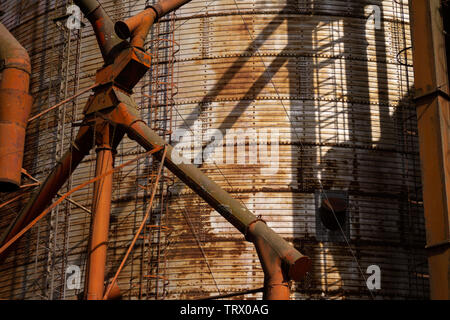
<point x="137" y="27"/>
<point x="103" y="27"/>
<point x="101" y="210"/>
<point x="15" y="107"/>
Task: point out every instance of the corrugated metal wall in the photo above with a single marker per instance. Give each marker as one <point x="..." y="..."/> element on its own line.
<point x="337" y="89"/>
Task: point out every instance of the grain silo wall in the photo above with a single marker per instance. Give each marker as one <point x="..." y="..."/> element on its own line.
<point x="334" y="86"/>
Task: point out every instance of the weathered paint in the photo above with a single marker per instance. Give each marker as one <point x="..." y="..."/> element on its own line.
<point x="352" y="123"/>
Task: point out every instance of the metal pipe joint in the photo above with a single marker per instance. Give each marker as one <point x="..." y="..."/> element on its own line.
<point x="281" y="262"/>
<point x="110" y="44"/>
<point x="137" y="27"/>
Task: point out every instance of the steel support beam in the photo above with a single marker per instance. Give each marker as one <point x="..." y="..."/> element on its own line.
<point x="15" y="107"/>
<point x="433" y="114"/>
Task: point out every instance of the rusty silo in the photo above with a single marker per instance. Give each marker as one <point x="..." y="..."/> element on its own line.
<point x="324" y="86"/>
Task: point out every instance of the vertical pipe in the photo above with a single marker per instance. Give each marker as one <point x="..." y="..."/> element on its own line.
<point x="15" y="106"/>
<point x="276" y="280"/>
<point x="100" y="225"/>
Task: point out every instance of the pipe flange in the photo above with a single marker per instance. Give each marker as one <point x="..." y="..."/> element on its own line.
<point x="246" y="234"/>
<point x="157" y="8"/>
<point x="8" y="64"/>
<point x="283" y="284"/>
<point x="105" y="147"/>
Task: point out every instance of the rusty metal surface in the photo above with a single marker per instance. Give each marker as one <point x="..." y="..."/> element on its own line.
<point x="432" y="102"/>
<point x="103" y="26"/>
<point x="15" y="106"/>
<point x="356" y="135"/>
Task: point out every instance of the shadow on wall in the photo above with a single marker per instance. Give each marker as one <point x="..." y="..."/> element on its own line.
<point x="371" y="162"/>
<point x="375" y="168"/>
<point x="39" y="31"/>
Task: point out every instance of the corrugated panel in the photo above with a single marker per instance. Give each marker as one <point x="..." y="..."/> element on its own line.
<point x="340" y="99"/>
<point x="332" y="86"/>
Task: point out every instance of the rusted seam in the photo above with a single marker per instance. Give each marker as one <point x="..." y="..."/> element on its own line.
<point x="283" y="284"/>
<point x="246" y="233"/>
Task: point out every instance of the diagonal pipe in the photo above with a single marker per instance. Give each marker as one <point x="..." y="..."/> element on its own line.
<point x="275" y="252"/>
<point x="137" y="27"/>
<point x="110" y="44"/>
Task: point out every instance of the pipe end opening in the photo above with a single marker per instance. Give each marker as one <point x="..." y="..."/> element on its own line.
<point x="122" y="30"/>
<point x="299" y="269"/>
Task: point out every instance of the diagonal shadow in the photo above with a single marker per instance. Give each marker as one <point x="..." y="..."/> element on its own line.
<point x="235" y="68"/>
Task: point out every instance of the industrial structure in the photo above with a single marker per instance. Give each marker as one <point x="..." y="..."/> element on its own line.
<point x="228" y="149"/>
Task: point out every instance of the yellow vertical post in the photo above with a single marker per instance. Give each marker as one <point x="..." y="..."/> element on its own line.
<point x="433" y="114"/>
